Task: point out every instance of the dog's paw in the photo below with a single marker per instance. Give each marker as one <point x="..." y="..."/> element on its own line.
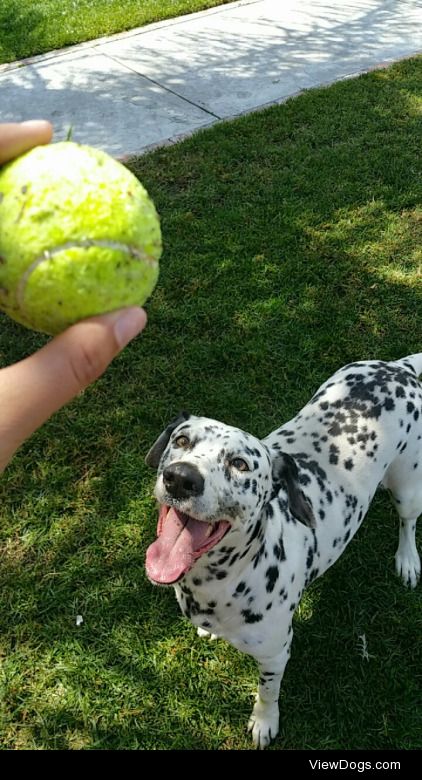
<point x="408" y="567"/>
<point x="263" y="724"/>
<point x="206" y="634"/>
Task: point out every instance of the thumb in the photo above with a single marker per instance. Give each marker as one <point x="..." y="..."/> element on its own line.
<point x="33" y="389"/>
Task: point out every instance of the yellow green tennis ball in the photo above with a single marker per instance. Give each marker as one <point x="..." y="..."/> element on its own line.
<point x="79" y="236"/>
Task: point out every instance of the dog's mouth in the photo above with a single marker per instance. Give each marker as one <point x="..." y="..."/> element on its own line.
<point x="181" y="541"/>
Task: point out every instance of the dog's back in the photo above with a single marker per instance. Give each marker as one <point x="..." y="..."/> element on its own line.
<point x="360" y="423"/>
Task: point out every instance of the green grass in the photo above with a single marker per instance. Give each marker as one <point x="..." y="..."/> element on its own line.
<point x="29" y="27"/>
<point x="292" y="246"/>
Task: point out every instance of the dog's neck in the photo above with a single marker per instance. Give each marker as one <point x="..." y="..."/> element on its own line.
<point x="232" y="556"/>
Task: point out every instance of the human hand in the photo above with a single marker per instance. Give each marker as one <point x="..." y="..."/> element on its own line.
<point x="17" y="138"/>
<point x="33" y="389"/>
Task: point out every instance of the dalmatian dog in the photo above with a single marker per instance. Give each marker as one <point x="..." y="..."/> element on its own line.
<point x="245" y="525"/>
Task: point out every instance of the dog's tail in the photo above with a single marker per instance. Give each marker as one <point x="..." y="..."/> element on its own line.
<point x="412" y="362"/>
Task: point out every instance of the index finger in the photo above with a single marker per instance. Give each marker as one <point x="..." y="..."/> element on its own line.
<point x="16" y="138"/>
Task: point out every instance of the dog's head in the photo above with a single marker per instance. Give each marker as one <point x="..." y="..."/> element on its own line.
<point x="213" y="480"/>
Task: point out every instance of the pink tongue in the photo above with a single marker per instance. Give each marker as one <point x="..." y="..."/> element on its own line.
<point x="173" y="553"/>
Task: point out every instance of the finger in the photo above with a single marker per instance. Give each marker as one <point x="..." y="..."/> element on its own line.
<point x="17" y="138"/>
<point x="33" y="389"/>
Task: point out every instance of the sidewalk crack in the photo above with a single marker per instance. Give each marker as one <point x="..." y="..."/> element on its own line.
<point x="158" y="84"/>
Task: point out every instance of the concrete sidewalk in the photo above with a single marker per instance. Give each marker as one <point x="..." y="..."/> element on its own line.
<point x="158" y="83"/>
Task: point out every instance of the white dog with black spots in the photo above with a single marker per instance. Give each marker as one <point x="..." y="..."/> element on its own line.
<point x="245" y="525"/>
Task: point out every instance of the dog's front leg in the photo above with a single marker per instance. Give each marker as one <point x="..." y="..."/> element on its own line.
<point x="263" y="722"/>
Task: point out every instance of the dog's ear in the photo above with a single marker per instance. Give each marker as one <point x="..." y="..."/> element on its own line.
<point x="154" y="455"/>
<point x="286" y="475"/>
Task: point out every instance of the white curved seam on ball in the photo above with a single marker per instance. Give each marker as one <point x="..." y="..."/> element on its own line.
<point x="48" y="254"/>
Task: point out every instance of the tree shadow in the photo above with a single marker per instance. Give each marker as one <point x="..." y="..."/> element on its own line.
<point x="267" y="51"/>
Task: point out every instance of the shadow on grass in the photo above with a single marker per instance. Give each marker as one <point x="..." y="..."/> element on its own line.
<point x="19" y="29"/>
<point x="292" y="247"/>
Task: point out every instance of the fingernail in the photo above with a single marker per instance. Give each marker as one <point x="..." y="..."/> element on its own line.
<point x="35" y="124"/>
<point x="128" y="325"/>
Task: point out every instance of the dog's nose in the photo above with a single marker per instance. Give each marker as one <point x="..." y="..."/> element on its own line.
<point x="182" y="480"/>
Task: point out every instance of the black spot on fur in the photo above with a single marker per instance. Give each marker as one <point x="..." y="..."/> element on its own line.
<point x="272" y="575"/>
<point x="251" y="617"/>
<point x="334" y="453"/>
<point x="310" y="558"/>
<point x="278" y="550"/>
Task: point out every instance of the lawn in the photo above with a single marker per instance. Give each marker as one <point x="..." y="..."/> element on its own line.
<point x="28" y="27"/>
<point x="292" y="246"/>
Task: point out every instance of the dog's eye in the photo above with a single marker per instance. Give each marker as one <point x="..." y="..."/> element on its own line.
<point x="240" y="464"/>
<point x="182" y="441"/>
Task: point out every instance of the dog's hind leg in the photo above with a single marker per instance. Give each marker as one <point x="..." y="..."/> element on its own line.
<point x="404" y="481"/>
<point x="264" y="719"/>
<point x="409" y="505"/>
<point x="408" y="565"/>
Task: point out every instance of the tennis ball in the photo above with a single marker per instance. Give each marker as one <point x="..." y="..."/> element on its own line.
<point x="79" y="236"/>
